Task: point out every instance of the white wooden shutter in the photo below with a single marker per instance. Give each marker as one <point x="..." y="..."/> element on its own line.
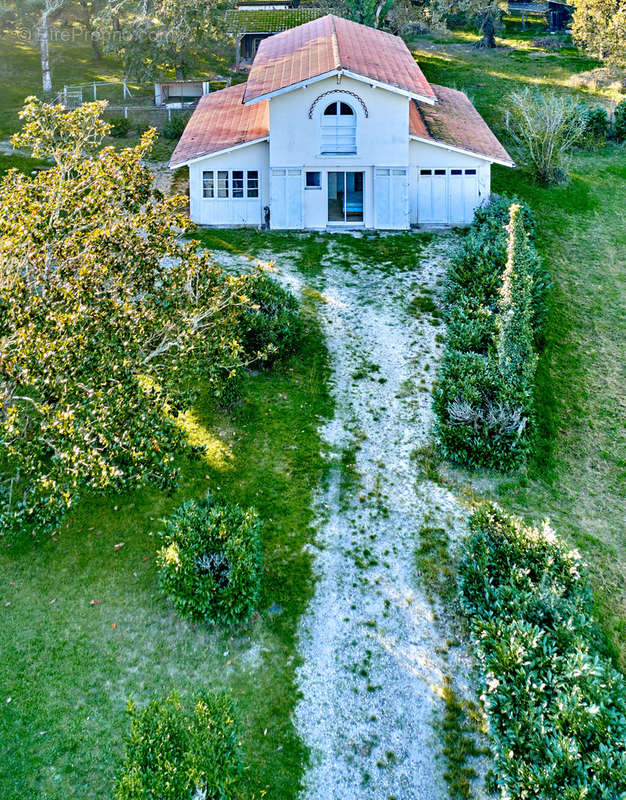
<point x="391" y="197"/>
<point x="286" y="198"/>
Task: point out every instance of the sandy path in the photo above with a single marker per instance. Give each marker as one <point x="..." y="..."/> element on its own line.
<point x="371" y="677"/>
<point x="374" y="657"/>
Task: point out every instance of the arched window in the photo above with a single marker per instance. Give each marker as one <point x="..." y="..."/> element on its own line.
<point x="338" y="129"/>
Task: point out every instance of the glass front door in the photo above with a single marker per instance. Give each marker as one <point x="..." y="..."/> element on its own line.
<point x="345" y="197"/>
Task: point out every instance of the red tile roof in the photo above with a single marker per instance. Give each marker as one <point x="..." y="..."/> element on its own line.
<point x="328" y="44"/>
<point x="454" y="121"/>
<point x="220" y="121"/>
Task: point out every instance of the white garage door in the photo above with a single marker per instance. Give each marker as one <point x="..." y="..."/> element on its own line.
<point x="447" y="196"/>
<point x="391" y="197"/>
<point x="286" y="198"/>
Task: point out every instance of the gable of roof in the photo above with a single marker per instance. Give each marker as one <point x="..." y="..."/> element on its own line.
<point x="331" y="44"/>
<point x="219" y="122"/>
<point x="454" y="122"/>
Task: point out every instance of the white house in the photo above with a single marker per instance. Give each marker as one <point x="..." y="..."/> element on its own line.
<point x="337" y="127"/>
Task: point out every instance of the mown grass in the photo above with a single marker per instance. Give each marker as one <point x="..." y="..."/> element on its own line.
<point x="85" y="626"/>
<point x="23" y="164"/>
<point x="577" y="475"/>
<point x="20" y="72"/>
<point x="306" y="250"/>
<point x="72" y="62"/>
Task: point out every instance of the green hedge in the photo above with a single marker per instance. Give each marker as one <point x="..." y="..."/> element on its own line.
<point x="556" y="709"/>
<point x="210" y="564"/>
<point x="495" y="304"/>
<point x="172" y="753"/>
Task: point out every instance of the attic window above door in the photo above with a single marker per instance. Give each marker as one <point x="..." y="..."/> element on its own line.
<point x="338" y="129"/>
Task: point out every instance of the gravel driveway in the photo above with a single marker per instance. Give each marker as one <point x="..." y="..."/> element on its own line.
<point x="375" y="652"/>
<point x="373" y="667"/>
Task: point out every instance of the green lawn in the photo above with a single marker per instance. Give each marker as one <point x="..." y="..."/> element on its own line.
<point x="85" y="626"/>
<point x="20" y="73"/>
<point x="72" y="62"/>
<point x="577" y="477"/>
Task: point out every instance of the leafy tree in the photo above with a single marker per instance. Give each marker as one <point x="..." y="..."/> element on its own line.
<point x="370" y="12"/>
<point x="108" y="323"/>
<point x="600" y="27"/>
<point x="486" y="15"/>
<point x="161" y="36"/>
<point x="544" y="126"/>
<point x="90" y="9"/>
<point x="39" y="13"/>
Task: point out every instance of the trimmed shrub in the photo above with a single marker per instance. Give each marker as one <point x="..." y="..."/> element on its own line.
<point x="119" y="126"/>
<point x="474" y="425"/>
<point x="173" y="754"/>
<point x="556" y="709"/>
<point x="596" y="125"/>
<point x="471" y="327"/>
<point x="476" y="270"/>
<point x="517" y="359"/>
<point x="174" y="127"/>
<point x="271" y="327"/>
<point x="495" y="303"/>
<point x="141" y="126"/>
<point x="211" y="561"/>
<point x="620" y="122"/>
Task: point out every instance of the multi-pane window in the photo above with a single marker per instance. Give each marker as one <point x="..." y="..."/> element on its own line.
<point x="313" y="180"/>
<point x="222" y="183"/>
<point x="338" y="126"/>
<point x="208" y="188"/>
<point x="237" y="183"/>
<point x="253" y="183"/>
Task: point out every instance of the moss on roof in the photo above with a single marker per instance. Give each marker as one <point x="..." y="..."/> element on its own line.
<point x="268" y="20"/>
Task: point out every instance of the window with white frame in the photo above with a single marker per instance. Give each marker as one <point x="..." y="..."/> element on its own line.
<point x="237" y="184"/>
<point x="338" y="129"/>
<point x="208" y="186"/>
<point x="253" y="183"/>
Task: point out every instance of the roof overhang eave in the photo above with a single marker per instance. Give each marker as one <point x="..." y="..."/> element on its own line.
<point x="217" y="152"/>
<point x="422" y="98"/>
<point x="341" y="72"/>
<point x="463" y="150"/>
<point x="291" y="88"/>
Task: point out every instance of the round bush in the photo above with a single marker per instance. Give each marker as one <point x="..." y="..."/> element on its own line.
<point x="211" y="561"/>
<point x="173" y="754"/>
<point x="119" y="126"/>
<point x="596" y="125"/>
<point x="174" y="127"/>
<point x="271" y="326"/>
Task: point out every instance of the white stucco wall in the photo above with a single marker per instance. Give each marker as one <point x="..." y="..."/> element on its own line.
<point x="382" y="120"/>
<point x="381" y="135"/>
<point x="230" y="210"/>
